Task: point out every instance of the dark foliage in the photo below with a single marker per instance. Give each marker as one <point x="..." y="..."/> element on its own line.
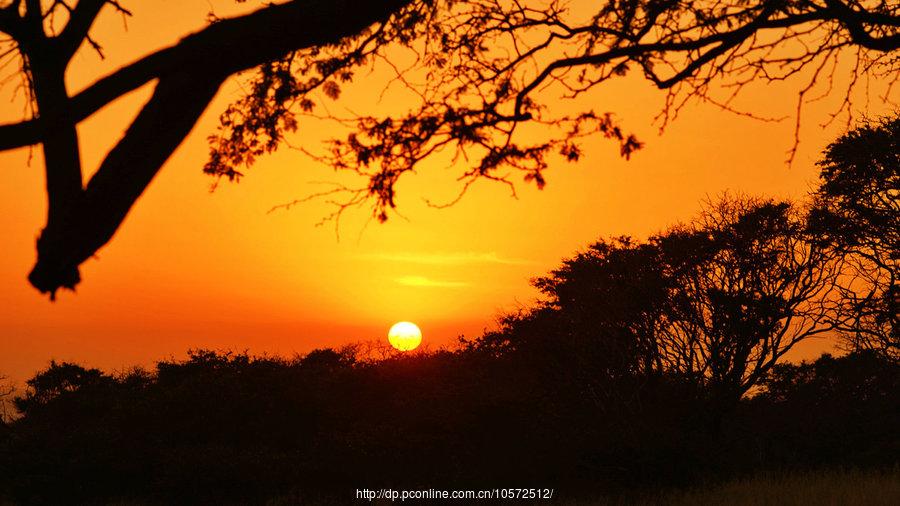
<point x="715" y="303"/>
<point x="857" y="212"/>
<point x="834" y="411"/>
<point x="649" y="364"/>
<point x="225" y="428"/>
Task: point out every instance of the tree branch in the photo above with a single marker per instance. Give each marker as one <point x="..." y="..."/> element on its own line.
<point x="854" y="22"/>
<point x="189" y="74"/>
<point x="159" y="128"/>
<point x="81" y="19"/>
<point x="248" y="41"/>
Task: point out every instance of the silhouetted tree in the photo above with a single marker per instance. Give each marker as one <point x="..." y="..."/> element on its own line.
<point x="857" y="211"/>
<point x="56" y="381"/>
<point x="6" y="392"/>
<point x="484" y="64"/>
<point x="596" y="334"/>
<point x="617" y="289"/>
<point x="717" y="302"/>
<point x="751" y="285"/>
<point x="228" y="428"/>
<point x="834" y="410"/>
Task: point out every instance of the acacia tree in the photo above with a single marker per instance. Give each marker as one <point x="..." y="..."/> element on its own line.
<point x="619" y="290"/>
<point x="487" y="66"/>
<point x="751" y="284"/>
<point x="857" y="212"/>
<point x="717" y="302"/>
<point x="714" y="304"/>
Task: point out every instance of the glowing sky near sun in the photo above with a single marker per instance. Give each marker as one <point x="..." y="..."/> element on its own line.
<point x="192" y="268"/>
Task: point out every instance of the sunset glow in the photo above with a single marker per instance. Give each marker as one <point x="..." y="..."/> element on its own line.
<point x="191" y="268"/>
<point x="652" y="245"/>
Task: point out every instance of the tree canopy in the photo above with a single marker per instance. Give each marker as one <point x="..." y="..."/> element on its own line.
<point x="857" y="211"/>
<point x="715" y="303"/>
<point x="486" y="68"/>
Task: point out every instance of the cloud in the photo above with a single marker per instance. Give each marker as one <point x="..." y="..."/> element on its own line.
<point x="462" y="258"/>
<point x="422" y="281"/>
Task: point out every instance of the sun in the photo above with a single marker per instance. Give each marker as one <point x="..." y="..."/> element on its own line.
<point x="405" y="336"/>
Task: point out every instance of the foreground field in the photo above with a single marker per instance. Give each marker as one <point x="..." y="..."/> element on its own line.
<point x="812" y="488"/>
<point x="815" y="488"/>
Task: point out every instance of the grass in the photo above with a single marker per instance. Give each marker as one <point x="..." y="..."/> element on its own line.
<point x="811" y="488"/>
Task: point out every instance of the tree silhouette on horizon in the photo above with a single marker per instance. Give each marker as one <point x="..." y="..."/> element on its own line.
<point x="716" y="303"/>
<point x="648" y="364"/>
<point x="486" y="62"/>
<point x="857" y="212"/>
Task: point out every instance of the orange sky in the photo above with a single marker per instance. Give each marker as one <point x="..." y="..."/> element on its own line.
<point x="191" y="268"/>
